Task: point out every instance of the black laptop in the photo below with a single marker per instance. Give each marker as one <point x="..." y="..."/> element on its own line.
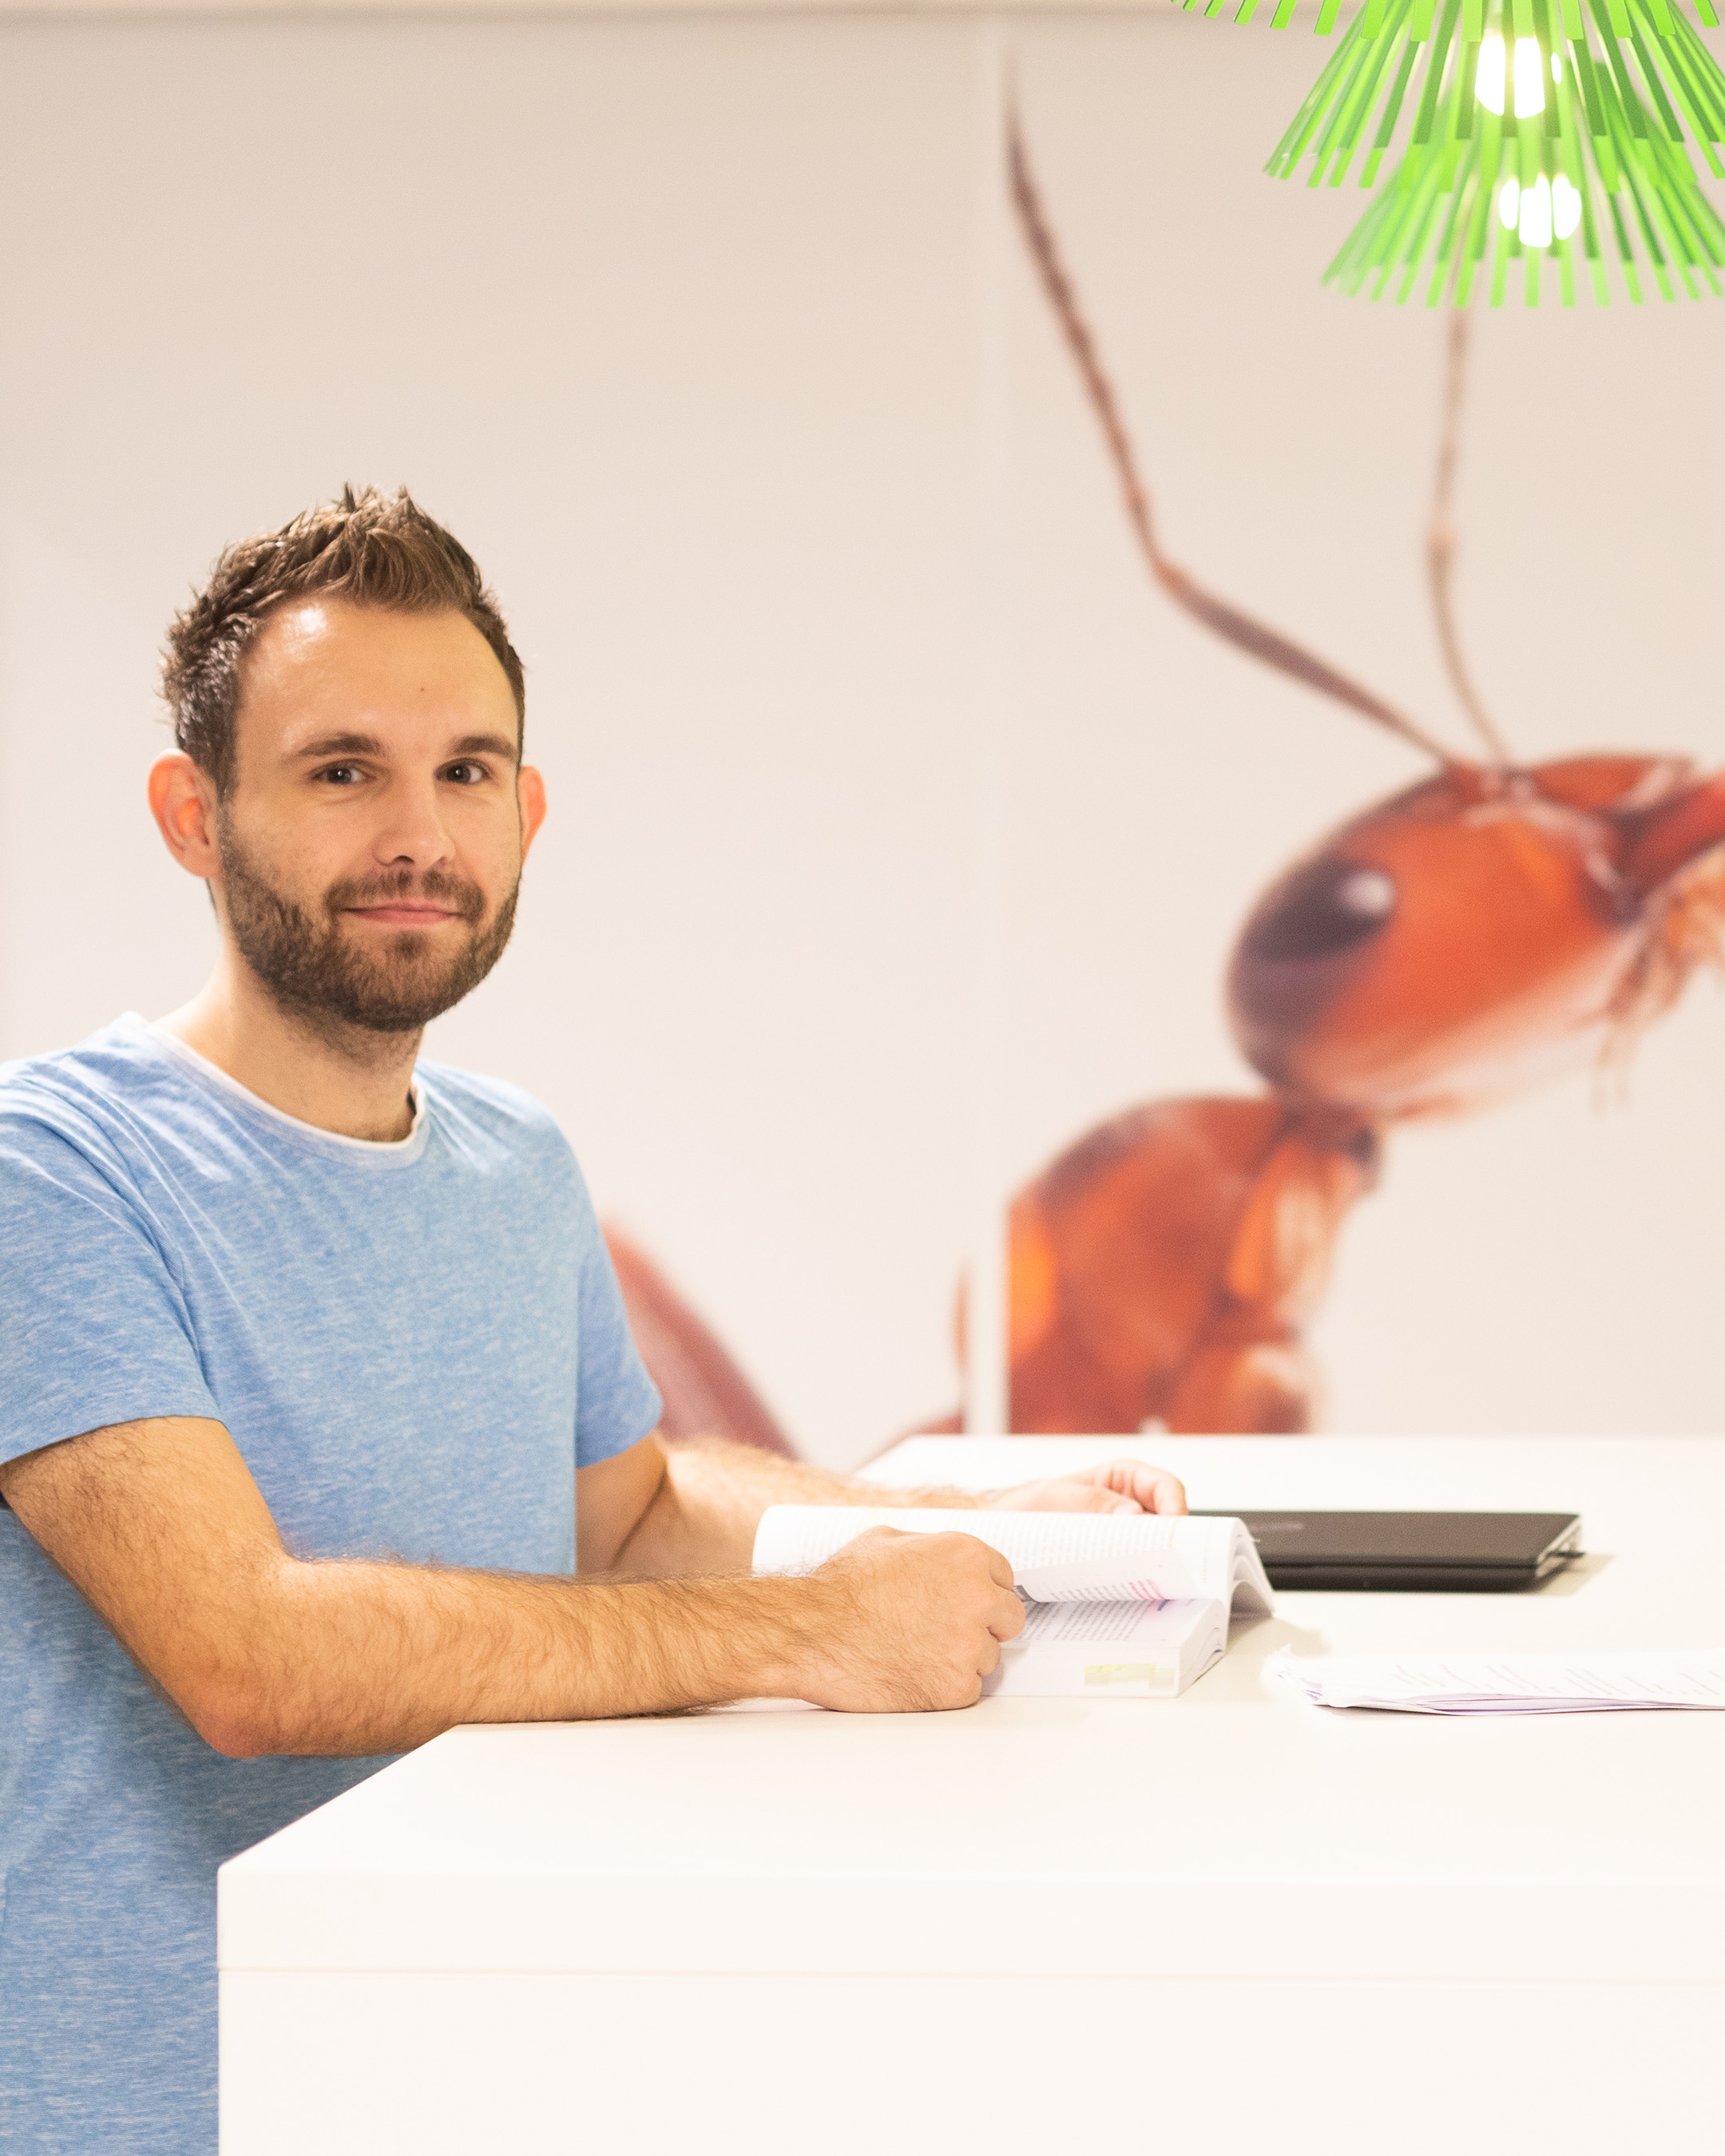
<point x="1384" y="1552"/>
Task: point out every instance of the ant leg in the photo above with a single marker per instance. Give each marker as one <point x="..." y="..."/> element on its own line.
<point x="1248" y="1371"/>
<point x="1259" y="1387"/>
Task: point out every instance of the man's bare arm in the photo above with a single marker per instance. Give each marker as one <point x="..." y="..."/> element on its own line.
<point x="669" y="1511"/>
<point x="161" y="1526"/>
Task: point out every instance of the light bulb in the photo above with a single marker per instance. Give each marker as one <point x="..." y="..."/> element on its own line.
<point x="1509" y="202"/>
<point x="1488" y="80"/>
<point x="1534" y="222"/>
<point x="1530" y="84"/>
<point x="1565" y="207"/>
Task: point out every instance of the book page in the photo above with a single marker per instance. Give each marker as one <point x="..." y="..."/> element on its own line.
<point x="1111" y="1651"/>
<point x="1055" y="1556"/>
<point x="1049" y="1621"/>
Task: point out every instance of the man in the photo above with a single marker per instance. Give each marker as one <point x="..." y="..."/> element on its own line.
<point x="309" y="1347"/>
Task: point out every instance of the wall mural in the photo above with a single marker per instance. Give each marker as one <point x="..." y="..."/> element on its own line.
<point x="1483" y="932"/>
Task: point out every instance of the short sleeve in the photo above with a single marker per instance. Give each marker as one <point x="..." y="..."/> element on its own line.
<point x="616" y="1403"/>
<point x="96" y="1330"/>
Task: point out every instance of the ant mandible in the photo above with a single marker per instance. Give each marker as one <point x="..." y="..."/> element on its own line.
<point x="1483" y="931"/>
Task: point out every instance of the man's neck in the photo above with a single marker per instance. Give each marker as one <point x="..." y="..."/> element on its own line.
<point x="335" y="1077"/>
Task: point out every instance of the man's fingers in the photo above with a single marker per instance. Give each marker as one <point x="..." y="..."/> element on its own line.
<point x="1006" y="1620"/>
<point x="1117" y="1485"/>
<point x="1148" y="1489"/>
<point x="1155" y="1489"/>
<point x="1078" y="1495"/>
<point x="1170" y="1493"/>
<point x="1065" y="1493"/>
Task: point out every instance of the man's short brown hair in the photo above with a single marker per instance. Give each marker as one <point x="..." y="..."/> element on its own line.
<point x="367" y="549"/>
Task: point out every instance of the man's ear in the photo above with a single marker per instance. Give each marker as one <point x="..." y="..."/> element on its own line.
<point x="183" y="800"/>
<point x="530" y="791"/>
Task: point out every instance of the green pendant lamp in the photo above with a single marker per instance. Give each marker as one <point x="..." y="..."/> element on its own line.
<point x="1539" y="132"/>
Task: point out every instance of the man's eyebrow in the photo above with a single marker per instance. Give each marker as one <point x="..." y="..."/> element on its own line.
<point x="369" y="744"/>
<point x="342" y="744"/>
<point x="484" y="745"/>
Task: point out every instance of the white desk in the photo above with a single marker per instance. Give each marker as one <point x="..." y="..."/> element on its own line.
<point x="1204" y="1927"/>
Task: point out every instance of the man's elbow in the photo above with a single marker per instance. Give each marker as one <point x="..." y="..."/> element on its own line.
<point x="244" y="1685"/>
<point x="243" y="1718"/>
<point x="230" y="1721"/>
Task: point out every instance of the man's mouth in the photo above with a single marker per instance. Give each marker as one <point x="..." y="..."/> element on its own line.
<point x="405" y="913"/>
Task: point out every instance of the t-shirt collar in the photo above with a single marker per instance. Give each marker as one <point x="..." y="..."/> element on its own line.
<point x="378" y="1149"/>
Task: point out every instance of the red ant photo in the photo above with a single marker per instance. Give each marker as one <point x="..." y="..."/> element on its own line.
<point x="1479" y="934"/>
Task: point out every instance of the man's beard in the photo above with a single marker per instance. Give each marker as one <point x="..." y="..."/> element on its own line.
<point x="307" y="960"/>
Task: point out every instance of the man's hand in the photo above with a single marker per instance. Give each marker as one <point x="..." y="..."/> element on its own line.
<point x="1117" y="1486"/>
<point x="902" y="1623"/>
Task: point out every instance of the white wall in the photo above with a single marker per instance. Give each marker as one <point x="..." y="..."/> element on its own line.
<point x="675" y="321"/>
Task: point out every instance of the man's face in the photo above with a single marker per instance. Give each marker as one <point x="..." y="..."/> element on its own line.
<point x="374" y="831"/>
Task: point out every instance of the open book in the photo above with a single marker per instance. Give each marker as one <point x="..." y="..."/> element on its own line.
<point x="1118" y="1605"/>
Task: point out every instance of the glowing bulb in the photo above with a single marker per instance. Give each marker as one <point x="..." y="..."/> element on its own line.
<point x="1509" y="203"/>
<point x="1530" y="85"/>
<point x="1488" y="82"/>
<point x="1565" y="207"/>
<point x="1534" y="223"/>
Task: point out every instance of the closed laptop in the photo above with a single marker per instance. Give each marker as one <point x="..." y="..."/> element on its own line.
<point x="1378" y="1553"/>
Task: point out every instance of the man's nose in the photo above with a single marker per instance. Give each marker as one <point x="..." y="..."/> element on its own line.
<point x="411" y="829"/>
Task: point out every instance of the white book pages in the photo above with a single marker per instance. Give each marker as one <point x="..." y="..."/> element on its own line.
<point x="1055" y="1556"/>
<point x="1109" y="1651"/>
<point x="1503" y="1684"/>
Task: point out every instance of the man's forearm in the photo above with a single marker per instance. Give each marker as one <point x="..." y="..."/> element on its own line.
<point x="162" y="1528"/>
<point x="360" y="1659"/>
<point x="709" y="1503"/>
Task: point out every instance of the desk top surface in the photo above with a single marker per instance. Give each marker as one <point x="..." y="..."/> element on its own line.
<point x="1232" y="1832"/>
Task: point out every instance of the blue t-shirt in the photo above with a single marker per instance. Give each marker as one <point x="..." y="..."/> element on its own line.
<point x="413" y="1345"/>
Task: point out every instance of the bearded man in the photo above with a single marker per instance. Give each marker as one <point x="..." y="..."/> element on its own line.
<point x="311" y="1345"/>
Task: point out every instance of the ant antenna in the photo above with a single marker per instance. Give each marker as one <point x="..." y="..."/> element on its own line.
<point x="1265" y="644"/>
<point x="1440" y="543"/>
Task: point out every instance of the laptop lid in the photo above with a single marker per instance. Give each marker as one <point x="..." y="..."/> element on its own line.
<point x="1375" y="1552"/>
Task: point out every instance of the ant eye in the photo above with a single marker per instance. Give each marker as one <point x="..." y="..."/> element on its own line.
<point x="1319" y="910"/>
<point x="1304" y="943"/>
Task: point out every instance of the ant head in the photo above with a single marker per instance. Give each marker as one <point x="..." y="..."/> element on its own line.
<point x="1467" y="939"/>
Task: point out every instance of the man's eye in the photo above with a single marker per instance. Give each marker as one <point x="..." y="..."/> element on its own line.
<point x="466" y="774"/>
<point x="339" y="774"/>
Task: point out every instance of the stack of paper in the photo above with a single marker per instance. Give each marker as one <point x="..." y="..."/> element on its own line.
<point x="1502" y="1684"/>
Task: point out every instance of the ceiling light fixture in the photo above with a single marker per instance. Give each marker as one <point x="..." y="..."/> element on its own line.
<point x="1587" y="110"/>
